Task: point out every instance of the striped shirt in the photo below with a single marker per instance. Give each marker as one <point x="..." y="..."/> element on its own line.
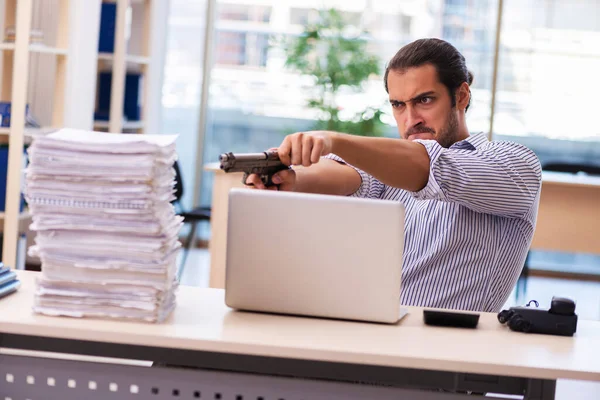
<point x="467" y="232"/>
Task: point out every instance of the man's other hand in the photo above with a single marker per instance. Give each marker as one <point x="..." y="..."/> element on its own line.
<point x="284" y="180"/>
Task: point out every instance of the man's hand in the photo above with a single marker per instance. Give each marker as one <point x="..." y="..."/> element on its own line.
<point x="285" y="181"/>
<point x="305" y="148"/>
<point x="302" y="148"/>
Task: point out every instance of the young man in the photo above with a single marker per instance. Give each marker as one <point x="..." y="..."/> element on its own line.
<point x="471" y="204"/>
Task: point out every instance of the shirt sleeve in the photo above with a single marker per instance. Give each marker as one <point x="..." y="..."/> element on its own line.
<point x="503" y="178"/>
<point x="370" y="187"/>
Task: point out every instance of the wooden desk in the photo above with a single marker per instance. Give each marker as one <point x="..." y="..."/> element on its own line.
<point x="202" y="332"/>
<point x="568" y="216"/>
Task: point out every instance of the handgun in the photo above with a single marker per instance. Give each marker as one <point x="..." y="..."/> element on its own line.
<point x="265" y="165"/>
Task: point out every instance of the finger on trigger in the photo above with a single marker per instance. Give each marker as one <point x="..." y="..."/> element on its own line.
<point x="276" y="178"/>
<point x="285" y="175"/>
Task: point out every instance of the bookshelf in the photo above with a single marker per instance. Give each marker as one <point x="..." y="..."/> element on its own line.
<point x="17" y="58"/>
<point x="139" y="46"/>
<point x="34" y="73"/>
<point x="129" y="58"/>
<point x="36" y="48"/>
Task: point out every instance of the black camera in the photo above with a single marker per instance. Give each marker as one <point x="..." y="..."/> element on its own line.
<point x="560" y="319"/>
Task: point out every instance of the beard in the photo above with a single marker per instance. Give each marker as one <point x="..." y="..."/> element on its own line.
<point x="446" y="137"/>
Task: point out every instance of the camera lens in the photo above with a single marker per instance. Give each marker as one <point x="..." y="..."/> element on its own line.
<point x="519" y="324"/>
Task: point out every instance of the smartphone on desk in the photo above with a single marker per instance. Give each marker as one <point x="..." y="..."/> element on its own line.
<point x="457" y="319"/>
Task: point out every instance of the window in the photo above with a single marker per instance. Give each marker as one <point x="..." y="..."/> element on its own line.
<point x="547" y="83"/>
<point x="405" y="23"/>
<point x="255" y="101"/>
<point x="302" y="16"/>
<point x="182" y="84"/>
<point x="470" y="27"/>
<point x="231" y="48"/>
<point x="243" y="12"/>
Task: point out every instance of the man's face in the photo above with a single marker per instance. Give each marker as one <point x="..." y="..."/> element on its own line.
<point x="422" y="106"/>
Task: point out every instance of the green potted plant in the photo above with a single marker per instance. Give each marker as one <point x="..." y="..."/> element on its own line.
<point x="338" y="61"/>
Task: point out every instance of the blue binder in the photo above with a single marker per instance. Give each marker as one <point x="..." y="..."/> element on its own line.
<point x="9" y="288"/>
<point x="8" y="281"/>
<point x="7" y="277"/>
<point x="108" y="17"/>
<point x="131" y="101"/>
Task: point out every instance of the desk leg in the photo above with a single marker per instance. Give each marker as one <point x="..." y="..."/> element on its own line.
<point x="540" y="389"/>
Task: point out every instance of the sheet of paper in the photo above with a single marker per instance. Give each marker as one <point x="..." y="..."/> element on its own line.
<point x="111" y="143"/>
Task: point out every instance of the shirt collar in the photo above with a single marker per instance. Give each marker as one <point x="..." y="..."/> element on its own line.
<point x="474" y="141"/>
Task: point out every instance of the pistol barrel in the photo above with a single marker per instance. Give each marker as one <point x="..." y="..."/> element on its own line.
<point x="244" y="156"/>
<point x="231" y="161"/>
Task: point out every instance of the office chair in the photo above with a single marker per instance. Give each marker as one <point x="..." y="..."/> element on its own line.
<point x="192" y="217"/>
<point x="572" y="168"/>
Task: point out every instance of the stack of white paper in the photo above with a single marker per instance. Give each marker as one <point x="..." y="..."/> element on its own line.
<point x="107" y="233"/>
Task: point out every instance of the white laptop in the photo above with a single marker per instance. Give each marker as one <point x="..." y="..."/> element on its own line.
<point x="314" y="255"/>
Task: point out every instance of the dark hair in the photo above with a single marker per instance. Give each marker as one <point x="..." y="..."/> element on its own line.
<point x="448" y="62"/>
